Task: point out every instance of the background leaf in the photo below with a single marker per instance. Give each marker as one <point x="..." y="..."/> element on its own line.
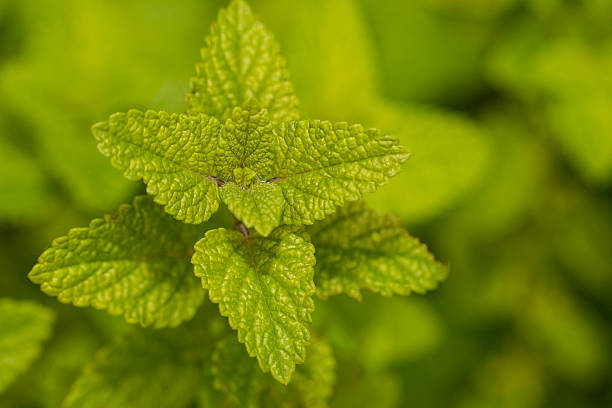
<point x="24" y="327"/>
<point x="137" y="371"/>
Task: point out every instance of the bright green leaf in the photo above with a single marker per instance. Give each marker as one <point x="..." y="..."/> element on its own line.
<point x="358" y="248"/>
<point x="137" y="371"/>
<point x="260" y="205"/>
<point x="321" y="165"/>
<point x="134" y="263"/>
<point x="241" y="61"/>
<point x="246" y="142"/>
<point x="317" y="165"/>
<point x="264" y="286"/>
<point x="24" y="326"/>
<point x="172" y="153"/>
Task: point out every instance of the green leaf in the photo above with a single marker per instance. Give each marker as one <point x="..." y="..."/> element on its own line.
<point x="314" y="381"/>
<point x="48" y="381"/>
<point x="260" y="205"/>
<point x="317" y="165"/>
<point x="244" y="385"/>
<point x="134" y="263"/>
<point x="137" y="371"/>
<point x="24" y="326"/>
<point x="246" y="142"/>
<point x="321" y="165"/>
<point x="358" y="248"/>
<point x="264" y="286"/>
<point x="236" y="375"/>
<point x="173" y="154"/>
<point x="241" y="61"/>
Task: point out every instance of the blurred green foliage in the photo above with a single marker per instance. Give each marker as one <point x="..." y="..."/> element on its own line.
<point x="506" y="107"/>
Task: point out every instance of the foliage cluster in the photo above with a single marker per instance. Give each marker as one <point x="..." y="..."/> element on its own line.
<point x="502" y="103"/>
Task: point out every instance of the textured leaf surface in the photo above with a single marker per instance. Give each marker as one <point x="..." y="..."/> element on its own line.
<point x="173" y="154"/>
<point x="136" y="371"/>
<point x="264" y="286"/>
<point x="135" y="263"/>
<point x="321" y="165"/>
<point x="358" y="248"/>
<point x="24" y="326"/>
<point x="260" y="205"/>
<point x="244" y="385"/>
<point x="241" y="61"/>
<point x="246" y="141"/>
<point x="450" y="153"/>
<point x="317" y="166"/>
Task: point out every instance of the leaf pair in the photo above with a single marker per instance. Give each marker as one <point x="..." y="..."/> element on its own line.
<point x="292" y="173"/>
<point x="138" y="263"/>
<point x="241" y="140"/>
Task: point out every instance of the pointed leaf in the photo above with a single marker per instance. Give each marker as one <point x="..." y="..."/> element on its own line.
<point x="321" y="165"/>
<point x="246" y="141"/>
<point x="259" y="206"/>
<point x="135" y="263"/>
<point x="241" y="61"/>
<point x="264" y="286"/>
<point x="358" y="248"/>
<point x="24" y="326"/>
<point x="173" y="154"/>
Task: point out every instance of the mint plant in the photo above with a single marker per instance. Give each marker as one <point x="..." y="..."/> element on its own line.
<point x="293" y="187"/>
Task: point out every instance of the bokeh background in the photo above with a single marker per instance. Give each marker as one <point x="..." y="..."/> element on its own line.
<point x="505" y="104"/>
